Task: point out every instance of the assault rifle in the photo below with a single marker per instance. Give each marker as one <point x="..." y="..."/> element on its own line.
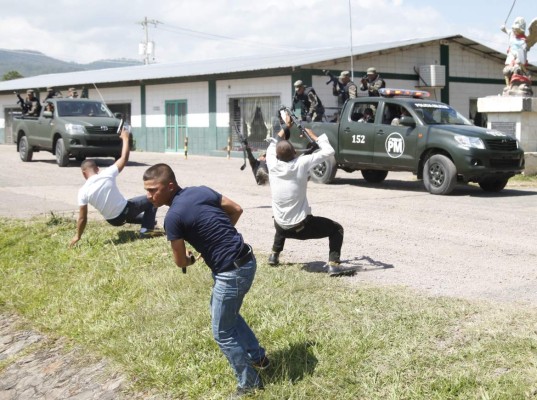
<point x="24" y="106"/>
<point x="241" y="138"/>
<point x="335" y="81"/>
<point x="312" y="146"/>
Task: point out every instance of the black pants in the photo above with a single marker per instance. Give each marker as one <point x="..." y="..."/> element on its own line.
<point x="312" y="228"/>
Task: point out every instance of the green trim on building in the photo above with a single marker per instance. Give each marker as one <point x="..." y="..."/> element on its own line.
<point x="212" y="109"/>
<point x="484" y="81"/>
<point x="444" y="60"/>
<point x="143" y="127"/>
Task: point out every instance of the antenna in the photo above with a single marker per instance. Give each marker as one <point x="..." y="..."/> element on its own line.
<point x="100" y="95"/>
<point x="147" y="47"/>
<point x="350" y="24"/>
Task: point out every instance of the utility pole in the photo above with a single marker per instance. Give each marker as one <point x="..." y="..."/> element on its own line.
<point x="147" y="47"/>
<point x="350" y="26"/>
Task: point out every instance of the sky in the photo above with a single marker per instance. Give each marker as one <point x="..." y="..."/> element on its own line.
<point x="187" y="30"/>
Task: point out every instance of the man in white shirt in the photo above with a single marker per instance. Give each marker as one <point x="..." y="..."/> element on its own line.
<point x="101" y="191"/>
<point x="288" y="176"/>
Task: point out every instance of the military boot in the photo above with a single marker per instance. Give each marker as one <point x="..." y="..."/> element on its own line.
<point x="274" y="258"/>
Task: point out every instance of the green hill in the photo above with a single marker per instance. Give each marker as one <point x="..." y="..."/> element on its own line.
<point x="31" y="63"/>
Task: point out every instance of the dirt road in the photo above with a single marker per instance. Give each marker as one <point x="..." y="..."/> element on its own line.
<point x="470" y="244"/>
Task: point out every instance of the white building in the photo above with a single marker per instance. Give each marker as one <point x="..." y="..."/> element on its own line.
<point x="201" y="101"/>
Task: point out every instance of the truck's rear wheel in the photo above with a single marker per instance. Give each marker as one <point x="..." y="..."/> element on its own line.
<point x="439" y="174"/>
<point x="324" y="172"/>
<point x="374" y="176"/>
<point x="25" y="151"/>
<point x="62" y="156"/>
<point x="495" y="184"/>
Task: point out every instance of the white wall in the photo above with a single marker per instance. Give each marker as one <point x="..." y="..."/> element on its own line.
<point x="280" y="86"/>
<point x="196" y="94"/>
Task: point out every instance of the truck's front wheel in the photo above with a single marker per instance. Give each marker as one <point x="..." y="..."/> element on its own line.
<point x="25" y="151"/>
<point x="324" y="172"/>
<point x="62" y="156"/>
<point x="439" y="174"/>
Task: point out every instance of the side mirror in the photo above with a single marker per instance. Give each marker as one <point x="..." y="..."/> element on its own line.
<point x="407" y="121"/>
<point x="118" y="115"/>
<point x="47" y="114"/>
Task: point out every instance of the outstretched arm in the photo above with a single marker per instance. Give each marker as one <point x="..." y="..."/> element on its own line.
<point x="125" y="150"/>
<point x="80" y="224"/>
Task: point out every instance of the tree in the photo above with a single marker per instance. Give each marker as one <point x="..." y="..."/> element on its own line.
<point x="11" y="75"/>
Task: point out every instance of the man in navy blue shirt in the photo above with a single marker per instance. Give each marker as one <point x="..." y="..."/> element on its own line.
<point x="206" y="220"/>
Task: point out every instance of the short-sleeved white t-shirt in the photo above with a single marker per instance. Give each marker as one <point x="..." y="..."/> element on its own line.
<point x="101" y="191"/>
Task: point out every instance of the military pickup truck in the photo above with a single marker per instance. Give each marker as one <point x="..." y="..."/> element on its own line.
<point x="409" y="133"/>
<point x="69" y="128"/>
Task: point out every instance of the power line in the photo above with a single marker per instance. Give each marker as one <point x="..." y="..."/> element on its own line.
<point x="211" y="36"/>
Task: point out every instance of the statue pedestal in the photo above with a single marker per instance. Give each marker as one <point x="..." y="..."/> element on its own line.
<point x="515" y="116"/>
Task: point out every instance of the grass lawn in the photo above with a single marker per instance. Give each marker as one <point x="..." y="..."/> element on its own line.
<point x="123" y="298"/>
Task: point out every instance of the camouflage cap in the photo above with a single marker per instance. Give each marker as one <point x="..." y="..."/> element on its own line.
<point x="72" y="89"/>
<point x="345" y="74"/>
<point x="371" y="71"/>
<point x="298" y="83"/>
<point x="50" y="89"/>
<point x="30" y="91"/>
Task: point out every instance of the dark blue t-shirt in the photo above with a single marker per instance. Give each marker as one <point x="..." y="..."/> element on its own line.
<point x="196" y="216"/>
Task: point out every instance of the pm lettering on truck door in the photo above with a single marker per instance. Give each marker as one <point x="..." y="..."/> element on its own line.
<point x="395" y="145"/>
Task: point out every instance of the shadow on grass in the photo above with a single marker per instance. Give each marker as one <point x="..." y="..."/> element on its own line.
<point x="126" y="237"/>
<point x="291" y="364"/>
<point x="363" y="263"/>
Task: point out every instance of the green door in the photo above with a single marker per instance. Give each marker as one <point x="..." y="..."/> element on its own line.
<point x="176" y="125"/>
<point x="395" y="145"/>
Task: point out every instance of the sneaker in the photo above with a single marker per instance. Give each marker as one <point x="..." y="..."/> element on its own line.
<point x="262" y="364"/>
<point x="334" y="268"/>
<point x="151" y="233"/>
<point x="274" y="258"/>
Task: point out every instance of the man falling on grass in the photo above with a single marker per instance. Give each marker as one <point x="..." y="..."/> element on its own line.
<point x="101" y="191"/>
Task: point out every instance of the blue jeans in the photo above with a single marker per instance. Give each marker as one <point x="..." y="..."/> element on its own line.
<point x="139" y="210"/>
<point x="231" y="332"/>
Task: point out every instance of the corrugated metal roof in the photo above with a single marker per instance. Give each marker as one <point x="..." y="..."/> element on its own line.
<point x="221" y="66"/>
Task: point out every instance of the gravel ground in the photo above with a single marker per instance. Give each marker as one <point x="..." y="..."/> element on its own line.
<point x="469" y="244"/>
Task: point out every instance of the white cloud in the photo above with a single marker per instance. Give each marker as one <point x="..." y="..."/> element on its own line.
<point x="83" y="32"/>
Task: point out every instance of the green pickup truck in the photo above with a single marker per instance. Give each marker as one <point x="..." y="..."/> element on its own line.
<point x="67" y="128"/>
<point x="410" y="133"/>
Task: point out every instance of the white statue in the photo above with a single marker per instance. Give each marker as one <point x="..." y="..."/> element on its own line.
<point x="517" y="77"/>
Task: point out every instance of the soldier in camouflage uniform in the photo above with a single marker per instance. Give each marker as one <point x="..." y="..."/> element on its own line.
<point x="305" y="99"/>
<point x="346" y="89"/>
<point x="372" y="82"/>
<point x="32" y="104"/>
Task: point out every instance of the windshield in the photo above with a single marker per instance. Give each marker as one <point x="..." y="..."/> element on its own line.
<point x="83" y="109"/>
<point x="438" y="113"/>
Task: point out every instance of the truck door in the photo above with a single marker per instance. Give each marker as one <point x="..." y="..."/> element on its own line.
<point x="42" y="131"/>
<point x="357" y="134"/>
<point x="395" y="145"/>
